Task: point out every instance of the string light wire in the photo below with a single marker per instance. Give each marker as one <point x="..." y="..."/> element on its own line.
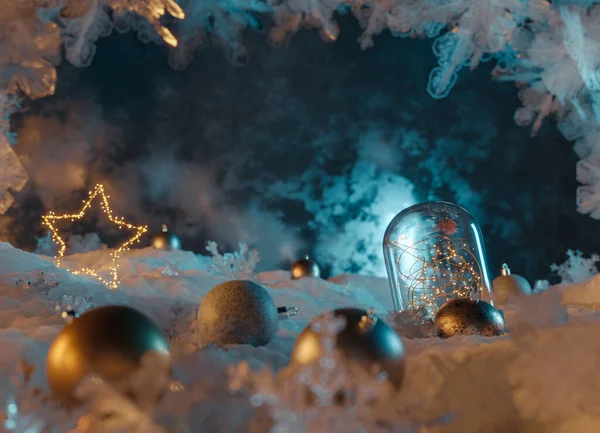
<point x="49" y="221"/>
<point x="442" y="269"/>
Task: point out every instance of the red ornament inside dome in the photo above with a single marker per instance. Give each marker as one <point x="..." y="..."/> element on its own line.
<point x="447" y="227"/>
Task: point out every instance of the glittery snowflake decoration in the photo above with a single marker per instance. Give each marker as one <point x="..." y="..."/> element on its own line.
<point x="70" y="307"/>
<point x="38" y="281"/>
<point x="170" y="270"/>
<point x="329" y="392"/>
<point x="128" y="406"/>
<point x="240" y="264"/>
<point x="577" y="268"/>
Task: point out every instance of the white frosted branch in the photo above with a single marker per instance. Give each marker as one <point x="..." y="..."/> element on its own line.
<point x="575" y="41"/>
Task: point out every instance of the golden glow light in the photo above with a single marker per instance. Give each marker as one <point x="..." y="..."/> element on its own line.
<point x="49" y="220"/>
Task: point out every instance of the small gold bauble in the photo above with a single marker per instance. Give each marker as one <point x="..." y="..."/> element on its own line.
<point x="508" y="284"/>
<point x="165" y="240"/>
<point x="464" y="316"/>
<point x="107" y="341"/>
<point x="305" y="267"/>
<point x="365" y="339"/>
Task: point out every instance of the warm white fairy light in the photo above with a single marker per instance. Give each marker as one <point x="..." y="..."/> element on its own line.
<point x="443" y="269"/>
<point x="49" y="219"/>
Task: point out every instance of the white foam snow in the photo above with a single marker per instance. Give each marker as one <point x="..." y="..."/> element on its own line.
<point x="541" y="377"/>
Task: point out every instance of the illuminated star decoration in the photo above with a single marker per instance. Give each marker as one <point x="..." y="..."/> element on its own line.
<point x="49" y="219"/>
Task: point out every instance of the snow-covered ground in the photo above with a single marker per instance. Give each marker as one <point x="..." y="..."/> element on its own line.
<point x="541" y="377"/>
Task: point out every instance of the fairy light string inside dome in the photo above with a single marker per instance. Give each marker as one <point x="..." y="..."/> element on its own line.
<point x="49" y="221"/>
<point x="442" y="268"/>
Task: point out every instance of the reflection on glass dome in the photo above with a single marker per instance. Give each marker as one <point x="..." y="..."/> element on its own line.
<point x="434" y="252"/>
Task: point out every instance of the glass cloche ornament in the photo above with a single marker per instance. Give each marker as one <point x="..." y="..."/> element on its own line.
<point x="434" y="252"/>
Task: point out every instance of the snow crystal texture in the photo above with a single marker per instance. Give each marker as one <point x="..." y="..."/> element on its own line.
<point x="540" y="377"/>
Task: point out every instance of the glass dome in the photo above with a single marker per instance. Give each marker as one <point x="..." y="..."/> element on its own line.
<point x="434" y="252"/>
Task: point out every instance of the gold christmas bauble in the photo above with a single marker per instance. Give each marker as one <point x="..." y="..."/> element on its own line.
<point x="237" y="312"/>
<point x="464" y="316"/>
<point x="305" y="267"/>
<point x="365" y="339"/>
<point x="107" y="341"/>
<point x="165" y="240"/>
<point x="508" y="284"/>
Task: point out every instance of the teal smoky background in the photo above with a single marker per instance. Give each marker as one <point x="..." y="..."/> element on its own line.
<point x="307" y="148"/>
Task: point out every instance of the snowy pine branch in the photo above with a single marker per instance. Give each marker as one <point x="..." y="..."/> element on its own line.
<point x="551" y="50"/>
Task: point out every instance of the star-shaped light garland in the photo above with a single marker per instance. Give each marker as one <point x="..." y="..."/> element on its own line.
<point x="99" y="190"/>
